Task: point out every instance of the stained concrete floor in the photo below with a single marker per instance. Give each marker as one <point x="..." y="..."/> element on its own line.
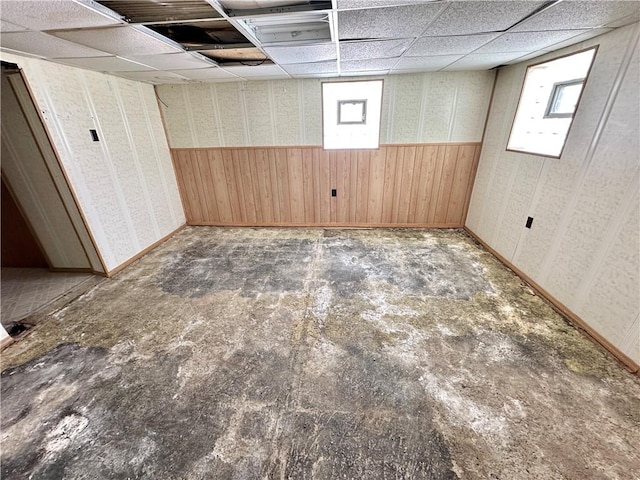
<point x="315" y="354"/>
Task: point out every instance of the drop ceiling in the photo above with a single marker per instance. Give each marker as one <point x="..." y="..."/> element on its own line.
<point x="179" y="41"/>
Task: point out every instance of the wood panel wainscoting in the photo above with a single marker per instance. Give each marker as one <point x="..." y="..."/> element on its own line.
<point x="420" y="185"/>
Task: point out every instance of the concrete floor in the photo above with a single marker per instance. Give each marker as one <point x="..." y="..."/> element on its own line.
<point x="315" y="354"/>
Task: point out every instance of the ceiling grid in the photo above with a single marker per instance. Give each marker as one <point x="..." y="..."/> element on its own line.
<point x="181" y="41"/>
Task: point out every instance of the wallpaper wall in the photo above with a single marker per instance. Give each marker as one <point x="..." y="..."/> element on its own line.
<point x="584" y="244"/>
<point x="125" y="182"/>
<point x="417" y="108"/>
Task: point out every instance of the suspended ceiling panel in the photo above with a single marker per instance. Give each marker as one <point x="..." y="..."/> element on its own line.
<point x="451" y="45"/>
<point x="302" y="54"/>
<point x="106" y="64"/>
<point x="56" y="14"/>
<point x="43" y="45"/>
<point x="225" y="40"/>
<point x="391" y="22"/>
<point x="526" y="41"/>
<point x="576" y="15"/>
<point x="466" y="18"/>
<point x="121" y="40"/>
<point x="372" y="49"/>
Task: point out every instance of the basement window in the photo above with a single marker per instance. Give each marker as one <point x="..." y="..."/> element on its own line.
<point x="351" y="114"/>
<point x="549" y="100"/>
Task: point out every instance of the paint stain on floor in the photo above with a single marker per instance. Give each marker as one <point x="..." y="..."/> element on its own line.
<point x="315" y="354"/>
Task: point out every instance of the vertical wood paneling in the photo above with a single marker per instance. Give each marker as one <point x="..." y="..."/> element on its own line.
<point x="425" y="185"/>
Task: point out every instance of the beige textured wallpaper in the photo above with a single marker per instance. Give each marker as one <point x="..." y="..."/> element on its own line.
<point x="584" y="245"/>
<point x="125" y="183"/>
<point x="417" y="108"/>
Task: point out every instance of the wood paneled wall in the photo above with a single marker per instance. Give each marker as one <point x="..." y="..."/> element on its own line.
<point x="396" y="185"/>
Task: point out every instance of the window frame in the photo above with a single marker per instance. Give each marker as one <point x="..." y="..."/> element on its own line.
<point x="363" y="102"/>
<point x="524" y="79"/>
<point x="363" y="79"/>
<point x="555" y="90"/>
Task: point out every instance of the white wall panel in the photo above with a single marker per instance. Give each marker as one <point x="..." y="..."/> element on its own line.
<point x="25" y="169"/>
<point x="417" y="108"/>
<point x="584" y="245"/>
<point x="124" y="183"/>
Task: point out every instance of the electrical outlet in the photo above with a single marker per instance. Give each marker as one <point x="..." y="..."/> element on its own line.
<point x="529" y="222"/>
<point x="334" y="192"/>
<point x="94" y="135"/>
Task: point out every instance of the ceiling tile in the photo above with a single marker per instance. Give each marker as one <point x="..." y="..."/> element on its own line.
<point x="302" y="53"/>
<point x="56" y="14"/>
<point x="123" y="41"/>
<point x="465" y="18"/>
<point x="41" y="44"/>
<point x="155" y="77"/>
<point x="207" y="74"/>
<point x="484" y="61"/>
<point x="10" y="27"/>
<point x="347" y="4"/>
<point x="451" y="45"/>
<point x="373" y="49"/>
<point x="589" y="14"/>
<point x="623" y="22"/>
<point x="578" y="38"/>
<point x="367" y="73"/>
<point x="368" y="65"/>
<point x="526" y="41"/>
<point x="257" y="71"/>
<point x="105" y="64"/>
<point x="426" y="64"/>
<point x="312" y="68"/>
<point x="393" y="22"/>
<point x="172" y="61"/>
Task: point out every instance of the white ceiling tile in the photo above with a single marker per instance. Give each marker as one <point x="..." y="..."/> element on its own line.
<point x="55" y="14"/>
<point x="527" y="41"/>
<point x="207" y="74"/>
<point x="312" y="68"/>
<point x="367" y="73"/>
<point x="578" y="38"/>
<point x="623" y="22"/>
<point x="105" y="64"/>
<point x="256" y="71"/>
<point x="302" y="53"/>
<point x="426" y="64"/>
<point x="172" y="61"/>
<point x="393" y="22"/>
<point x="373" y="49"/>
<point x="43" y="45"/>
<point x="368" y="65"/>
<point x="348" y="4"/>
<point x="10" y="27"/>
<point x="125" y="41"/>
<point x="451" y="45"/>
<point x="154" y="77"/>
<point x="585" y="14"/>
<point x="484" y="61"/>
<point x="465" y="18"/>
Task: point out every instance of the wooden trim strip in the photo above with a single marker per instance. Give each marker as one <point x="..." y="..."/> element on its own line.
<point x="329" y="225"/>
<point x="5" y="342"/>
<point x="141" y="254"/>
<point x="286" y="147"/>
<point x="562" y="309"/>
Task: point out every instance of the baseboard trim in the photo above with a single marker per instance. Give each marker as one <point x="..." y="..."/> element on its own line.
<point x="71" y="270"/>
<point x="327" y="225"/>
<point x="5" y="342"/>
<point x="562" y="309"/>
<point x="137" y="256"/>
